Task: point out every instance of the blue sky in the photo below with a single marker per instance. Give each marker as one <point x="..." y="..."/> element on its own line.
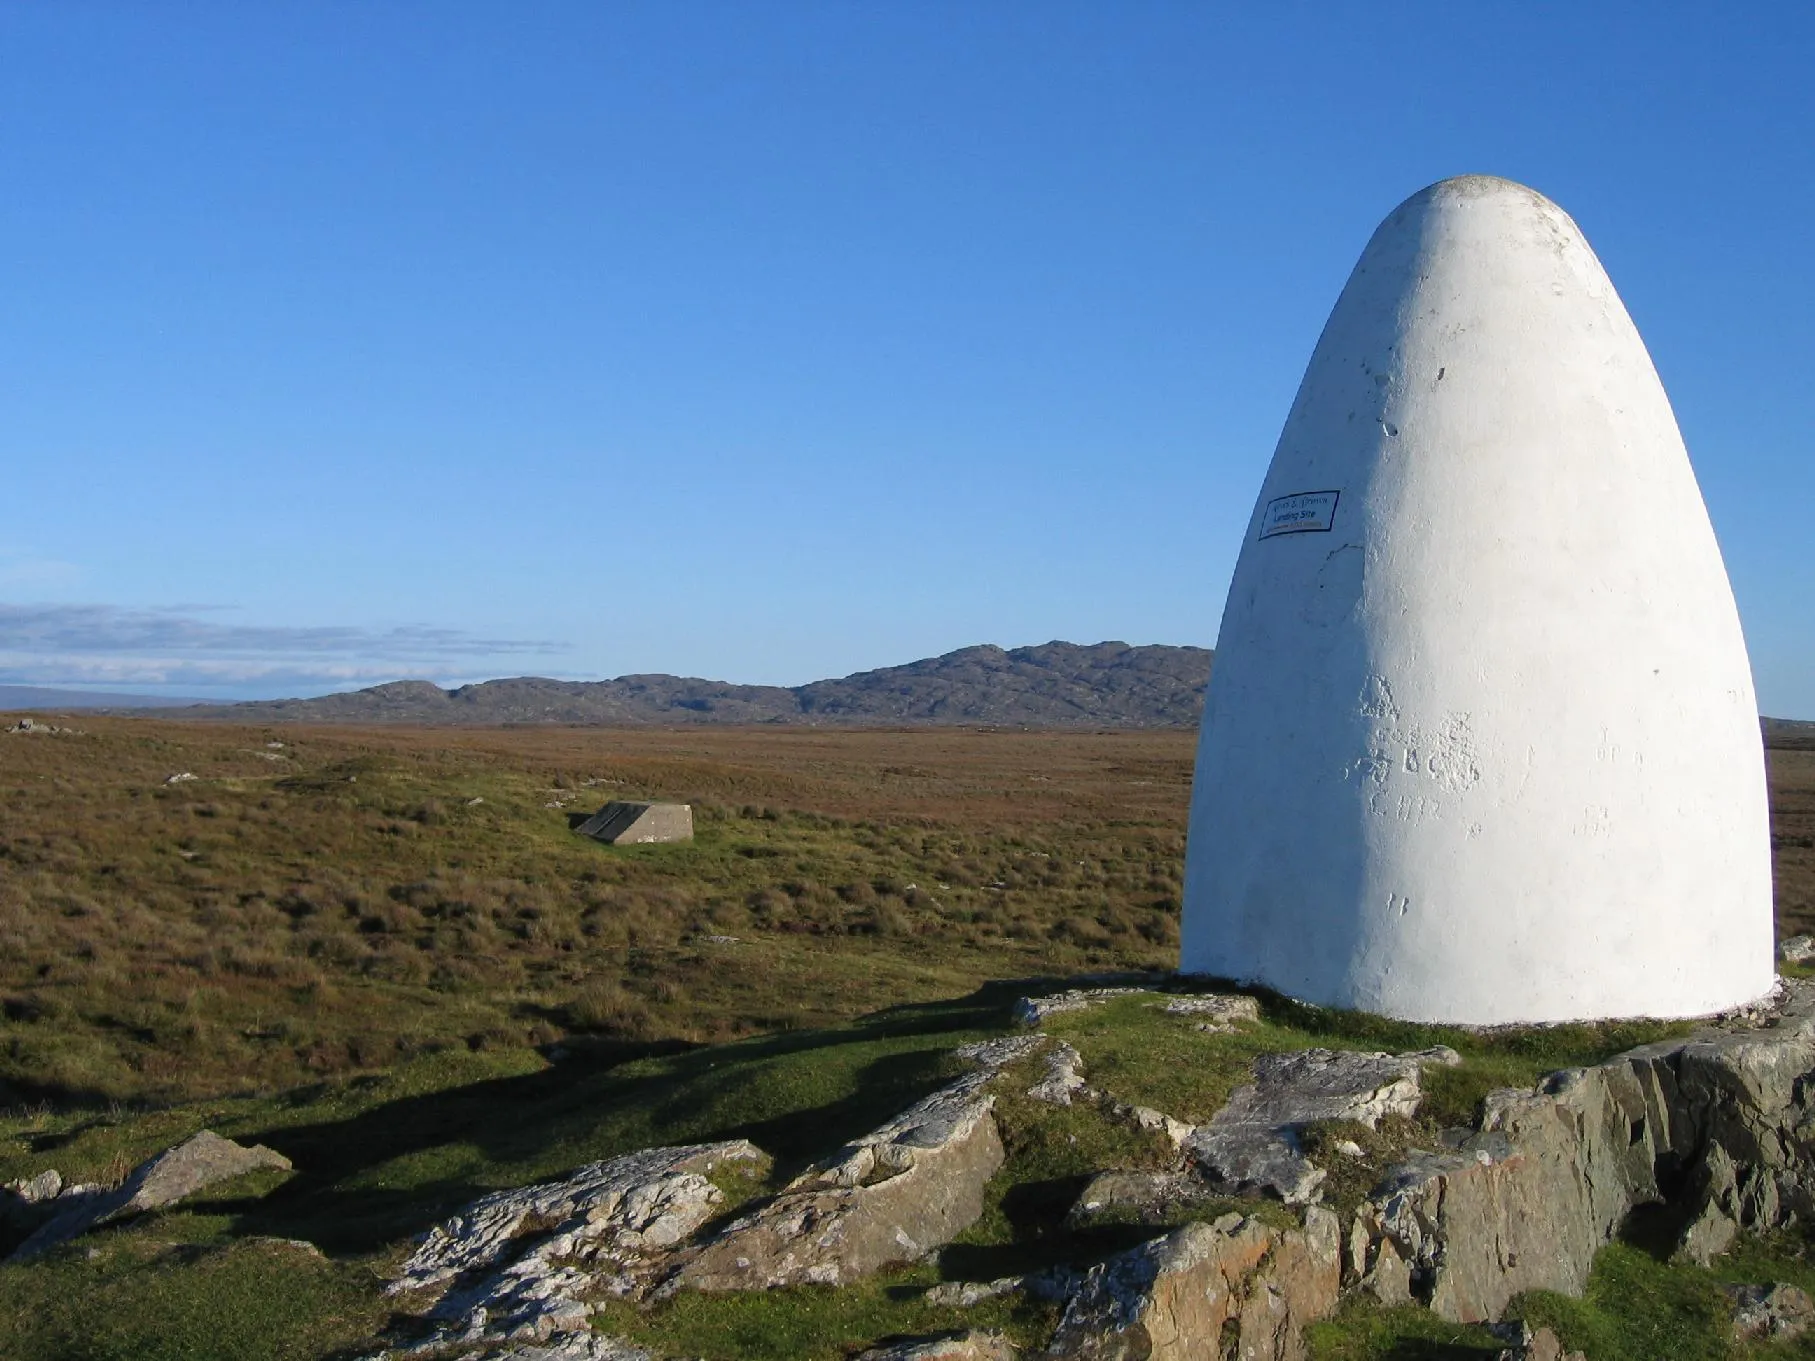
<point x="772" y="341"/>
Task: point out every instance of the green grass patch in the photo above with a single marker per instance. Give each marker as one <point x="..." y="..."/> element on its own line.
<point x="813" y="1323"/>
<point x="128" y="1296"/>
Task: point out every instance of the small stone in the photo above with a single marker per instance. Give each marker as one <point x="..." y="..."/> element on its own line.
<point x="1776" y="1311"/>
<point x="1158" y="1122"/>
<point x="45" y="1186"/>
<point x="1152" y="1198"/>
<point x="964" y="1294"/>
<point x="966" y="1346"/>
<point x="1797" y="950"/>
<point x="180" y="777"/>
<point x="1063" y="1077"/>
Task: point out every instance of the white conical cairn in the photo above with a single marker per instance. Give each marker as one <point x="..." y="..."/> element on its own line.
<point x="1481" y="744"/>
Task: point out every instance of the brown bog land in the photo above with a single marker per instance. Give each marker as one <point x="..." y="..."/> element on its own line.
<point x="312" y="901"/>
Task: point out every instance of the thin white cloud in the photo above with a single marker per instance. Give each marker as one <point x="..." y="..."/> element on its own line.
<point x="84" y="630"/>
<point x="172" y="649"/>
<point x="165" y="672"/>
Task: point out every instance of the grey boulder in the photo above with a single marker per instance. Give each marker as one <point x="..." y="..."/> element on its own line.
<point x="198" y="1162"/>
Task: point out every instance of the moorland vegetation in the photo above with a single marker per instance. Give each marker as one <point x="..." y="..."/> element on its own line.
<point x="384" y="953"/>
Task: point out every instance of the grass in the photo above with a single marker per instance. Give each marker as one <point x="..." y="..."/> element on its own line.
<point x="329" y="947"/>
<point x="350" y="900"/>
<point x="380" y="1157"/>
<point x="814" y="1323"/>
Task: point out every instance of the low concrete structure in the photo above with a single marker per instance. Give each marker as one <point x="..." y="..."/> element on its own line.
<point x="624" y="824"/>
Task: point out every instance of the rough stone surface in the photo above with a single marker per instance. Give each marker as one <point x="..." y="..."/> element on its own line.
<point x="1054" y="1284"/>
<point x="999" y="1053"/>
<point x="199" y="1161"/>
<point x="1151" y="1198"/>
<point x="1178" y="1298"/>
<point x="47" y="1185"/>
<point x="1252" y="1142"/>
<point x="1063" y="1077"/>
<point x="1033" y="1011"/>
<point x="518" y="1262"/>
<point x="968" y="1346"/>
<point x="1770" y="1311"/>
<point x="1220" y="1011"/>
<point x="892" y="1196"/>
<point x="1797" y="950"/>
<point x="1525" y="1201"/>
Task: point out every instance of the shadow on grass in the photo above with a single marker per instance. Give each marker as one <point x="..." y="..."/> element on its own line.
<point x="587" y="1107"/>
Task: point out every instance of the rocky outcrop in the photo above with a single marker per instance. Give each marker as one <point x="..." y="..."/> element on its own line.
<point x="515" y="1265"/>
<point x="1720" y="1125"/>
<point x="1234" y="1287"/>
<point x="198" y="1162"/>
<point x="892" y="1196"/>
<point x="1252" y="1143"/>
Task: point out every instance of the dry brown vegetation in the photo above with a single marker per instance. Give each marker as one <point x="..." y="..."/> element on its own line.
<point x="1793" y="837"/>
<point x="355" y="896"/>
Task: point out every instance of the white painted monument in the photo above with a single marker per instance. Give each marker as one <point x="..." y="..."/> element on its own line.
<point x="1481" y="743"/>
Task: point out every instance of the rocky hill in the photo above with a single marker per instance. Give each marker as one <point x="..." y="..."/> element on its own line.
<point x="1054" y="685"/>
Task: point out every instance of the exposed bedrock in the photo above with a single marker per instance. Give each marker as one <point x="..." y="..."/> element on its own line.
<point x="892" y="1196"/>
<point x="1718" y="1129"/>
<point x="1716" y="1132"/>
<point x="1253" y="1141"/>
<point x="200" y="1161"/>
<point x="515" y="1266"/>
<point x="1193" y="1292"/>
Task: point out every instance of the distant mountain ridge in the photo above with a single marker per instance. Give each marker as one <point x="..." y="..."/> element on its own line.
<point x="1053" y="685"/>
<point x="17" y="697"/>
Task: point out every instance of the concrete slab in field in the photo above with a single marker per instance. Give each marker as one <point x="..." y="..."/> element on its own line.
<point x="623" y="824"/>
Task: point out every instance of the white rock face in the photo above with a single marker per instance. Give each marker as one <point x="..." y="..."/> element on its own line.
<point x="1481" y="743"/>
